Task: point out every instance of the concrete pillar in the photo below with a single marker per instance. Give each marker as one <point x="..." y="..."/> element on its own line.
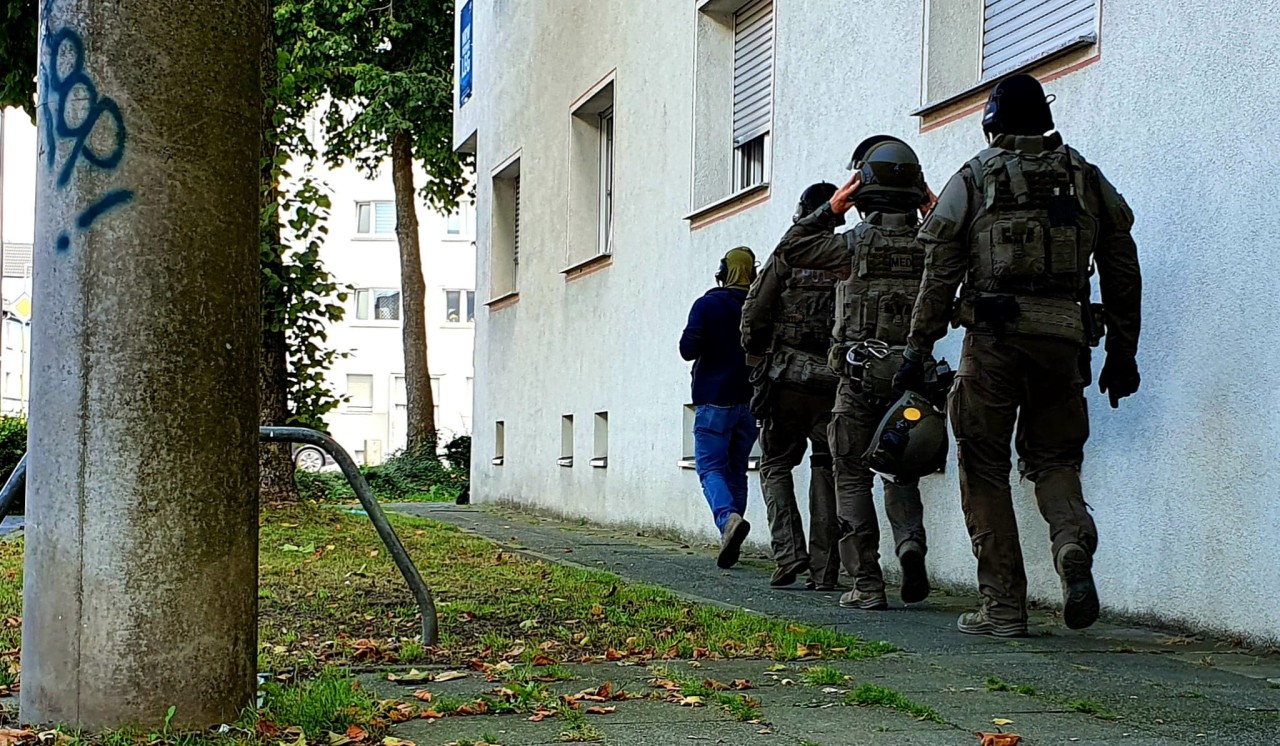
<point x="141" y="564"/>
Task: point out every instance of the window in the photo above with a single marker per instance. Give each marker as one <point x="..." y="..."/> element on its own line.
<point x="566" y="441"/>
<point x="733" y="100"/>
<point x="1016" y="32"/>
<point x="376" y="219"/>
<point x="605" y="245"/>
<point x="499" y="443"/>
<point x="1011" y="35"/>
<point x="506" y="231"/>
<point x="600" y="459"/>
<point x="591" y="169"/>
<point x="752" y="91"/>
<point x="458" y="302"/>
<point x="359" y="392"/>
<point x="687" y="452"/>
<point x="377" y="305"/>
<point x="461" y="223"/>
<point x="435" y="400"/>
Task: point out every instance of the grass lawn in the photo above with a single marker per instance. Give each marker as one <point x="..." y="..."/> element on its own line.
<point x="331" y="600"/>
<point x="331" y="595"/>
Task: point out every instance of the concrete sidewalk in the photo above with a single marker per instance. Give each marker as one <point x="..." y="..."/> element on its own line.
<point x="1110" y="684"/>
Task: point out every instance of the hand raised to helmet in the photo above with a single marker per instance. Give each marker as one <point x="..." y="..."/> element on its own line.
<point x="842" y="201"/>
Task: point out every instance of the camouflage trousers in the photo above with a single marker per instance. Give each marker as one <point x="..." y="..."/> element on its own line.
<point x="853" y="424"/>
<point x="1030" y="390"/>
<point x="797" y="419"/>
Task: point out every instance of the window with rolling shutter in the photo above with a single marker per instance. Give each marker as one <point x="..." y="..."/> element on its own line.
<point x="1016" y="32"/>
<point x="752" y="71"/>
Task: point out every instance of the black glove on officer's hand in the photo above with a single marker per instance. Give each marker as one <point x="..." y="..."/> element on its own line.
<point x="1119" y="378"/>
<point x="910" y="375"/>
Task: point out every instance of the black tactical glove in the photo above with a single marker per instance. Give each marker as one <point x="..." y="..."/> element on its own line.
<point x="910" y="375"/>
<point x="1119" y="377"/>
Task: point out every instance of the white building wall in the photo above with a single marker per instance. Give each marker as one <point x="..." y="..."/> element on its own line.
<point x="1177" y="110"/>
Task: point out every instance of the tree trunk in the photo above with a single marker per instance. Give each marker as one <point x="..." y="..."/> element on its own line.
<point x="413" y="288"/>
<point x="275" y="460"/>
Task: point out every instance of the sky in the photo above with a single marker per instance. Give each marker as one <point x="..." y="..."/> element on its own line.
<point x="19" y="177"/>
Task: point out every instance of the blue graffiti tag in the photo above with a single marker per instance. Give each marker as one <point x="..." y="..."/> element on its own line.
<point x="58" y="126"/>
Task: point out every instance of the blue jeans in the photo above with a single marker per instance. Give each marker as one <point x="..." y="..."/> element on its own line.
<point x="722" y="441"/>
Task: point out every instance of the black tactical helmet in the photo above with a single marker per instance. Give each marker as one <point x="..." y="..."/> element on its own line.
<point x="911" y="441"/>
<point x="814" y="197"/>
<point x="1017" y="106"/>
<point x="891" y="175"/>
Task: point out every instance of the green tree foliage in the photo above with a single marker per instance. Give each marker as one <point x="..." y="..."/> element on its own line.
<point x="18" y="18"/>
<point x="389" y="89"/>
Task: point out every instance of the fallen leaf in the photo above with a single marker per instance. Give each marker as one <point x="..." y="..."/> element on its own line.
<point x="613" y="655"/>
<point x="597" y="610"/>
<point x="267" y="729"/>
<point x="356" y="733"/>
<point x="777" y="667"/>
<point x="741" y="684"/>
<point x="503" y="667"/>
<point x="389" y="741"/>
<point x="414" y="676"/>
<point x="542" y="660"/>
<point x="672" y="652"/>
<point x="422" y="695"/>
<point x="430" y="715"/>
<point x="691" y="702"/>
<point x="667" y="684"/>
<point x="999" y="739"/>
<point x="714" y="685"/>
<point x="337" y="739"/>
<point x="1002" y="722"/>
<point x="787" y="682"/>
<point x="802" y="650"/>
<point x="447" y="676"/>
<point x="605" y="691"/>
<point x="699" y="653"/>
<point x="597" y="710"/>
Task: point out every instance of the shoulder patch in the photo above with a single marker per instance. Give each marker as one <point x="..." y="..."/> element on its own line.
<point x="936" y="226"/>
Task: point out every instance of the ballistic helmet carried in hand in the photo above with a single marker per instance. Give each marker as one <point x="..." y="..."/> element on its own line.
<point x="813" y="198"/>
<point x="1017" y="106"/>
<point x="911" y="441"/>
<point x="891" y="175"/>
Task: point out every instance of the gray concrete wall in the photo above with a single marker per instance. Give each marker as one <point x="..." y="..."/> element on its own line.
<point x="140" y="586"/>
<point x="1178" y="113"/>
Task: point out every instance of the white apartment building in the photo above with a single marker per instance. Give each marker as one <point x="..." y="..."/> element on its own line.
<point x="360" y="251"/>
<point x="623" y="147"/>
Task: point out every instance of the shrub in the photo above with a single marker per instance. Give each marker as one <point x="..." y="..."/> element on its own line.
<point x="458" y="453"/>
<point x="13" y="444"/>
<point x="407" y="476"/>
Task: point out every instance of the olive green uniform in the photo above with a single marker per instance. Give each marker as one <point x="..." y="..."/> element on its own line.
<point x="885" y="264"/>
<point x="1019" y="231"/>
<point x="788" y="316"/>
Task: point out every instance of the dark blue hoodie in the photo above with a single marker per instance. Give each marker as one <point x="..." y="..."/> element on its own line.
<point x="712" y="341"/>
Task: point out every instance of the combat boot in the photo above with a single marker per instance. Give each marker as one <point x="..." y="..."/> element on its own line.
<point x="915" y="580"/>
<point x="864" y="600"/>
<point x="980" y="623"/>
<point x="735" y="532"/>
<point x="1080" y="605"/>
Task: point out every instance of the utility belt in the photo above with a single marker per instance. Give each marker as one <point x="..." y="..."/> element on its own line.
<point x="1002" y="313"/>
<point x="872" y="364"/>
<point x="801" y="368"/>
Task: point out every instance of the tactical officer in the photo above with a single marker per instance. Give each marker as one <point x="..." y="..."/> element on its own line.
<point x="1019" y="230"/>
<point x="786" y="332"/>
<point x="873" y="313"/>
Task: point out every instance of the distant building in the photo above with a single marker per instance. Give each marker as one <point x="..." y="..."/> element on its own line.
<point x="361" y="251"/>
<point x="622" y="147"/>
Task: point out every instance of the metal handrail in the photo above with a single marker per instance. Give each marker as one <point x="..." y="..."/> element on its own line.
<point x="17" y="482"/>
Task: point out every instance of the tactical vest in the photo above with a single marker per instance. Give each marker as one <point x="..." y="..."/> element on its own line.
<point x="1032" y="241"/>
<point x="802" y="332"/>
<point x="806" y="310"/>
<point x="877" y="300"/>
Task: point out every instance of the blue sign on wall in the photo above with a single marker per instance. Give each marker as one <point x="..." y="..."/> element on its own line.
<point x="464" y="56"/>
